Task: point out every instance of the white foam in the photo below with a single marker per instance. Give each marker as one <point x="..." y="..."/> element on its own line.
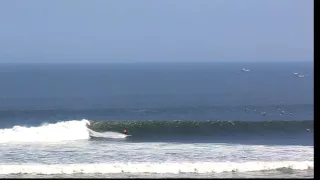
<point x="61" y="131"/>
<point x="108" y="134"/>
<point x="175" y="168"/>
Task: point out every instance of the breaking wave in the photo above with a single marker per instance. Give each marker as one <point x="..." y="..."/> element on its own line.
<point x="85" y="129"/>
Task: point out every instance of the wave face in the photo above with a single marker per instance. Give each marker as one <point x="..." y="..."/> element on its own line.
<point x="203" y="128"/>
<point x="159" y="168"/>
<point x="61" y="131"/>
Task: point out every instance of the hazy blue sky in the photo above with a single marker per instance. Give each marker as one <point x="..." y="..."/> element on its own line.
<point x="156" y="30"/>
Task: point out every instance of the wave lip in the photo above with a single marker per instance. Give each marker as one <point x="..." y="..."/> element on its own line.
<point x="173" y="168"/>
<point x="61" y="131"/>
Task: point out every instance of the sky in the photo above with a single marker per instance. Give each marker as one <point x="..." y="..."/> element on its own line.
<point x="156" y="30"/>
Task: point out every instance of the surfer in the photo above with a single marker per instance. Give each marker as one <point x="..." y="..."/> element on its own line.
<point x="125" y="131"/>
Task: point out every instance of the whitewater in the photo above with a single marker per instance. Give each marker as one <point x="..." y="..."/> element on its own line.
<point x="54" y="132"/>
<point x="159" y="168"/>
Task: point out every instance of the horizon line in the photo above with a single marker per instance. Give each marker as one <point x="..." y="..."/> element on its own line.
<point x="148" y="62"/>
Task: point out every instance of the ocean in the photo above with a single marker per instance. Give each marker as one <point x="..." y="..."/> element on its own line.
<point x="195" y="120"/>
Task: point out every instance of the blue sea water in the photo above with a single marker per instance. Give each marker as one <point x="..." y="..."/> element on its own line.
<point x="207" y="119"/>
